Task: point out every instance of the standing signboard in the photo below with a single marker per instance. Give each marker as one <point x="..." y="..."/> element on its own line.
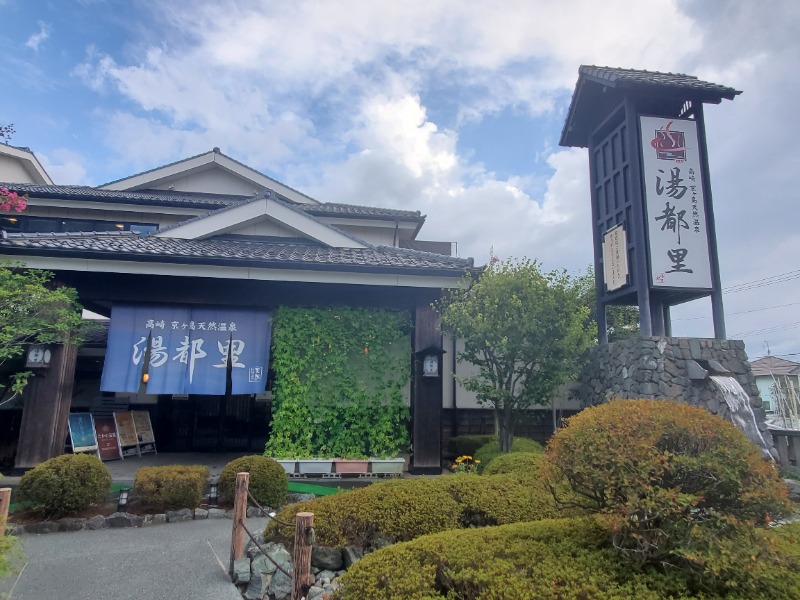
<point x="107" y="438"/>
<point x="676" y="216"/>
<point x="144" y="431"/>
<point x="126" y="432"/>
<point x="81" y="433"/>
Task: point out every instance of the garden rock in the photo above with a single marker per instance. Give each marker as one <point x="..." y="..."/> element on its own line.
<point x="351" y="555"/>
<point x="794" y="489"/>
<point x="296" y="497"/>
<point x="176" y="516"/>
<point x="216" y="513"/>
<point x="123" y="519"/>
<point x="258" y="584"/>
<point x="96" y="522"/>
<point x="241" y="570"/>
<point x="200" y="513"/>
<point x="315" y="592"/>
<point x="70" y="524"/>
<point x="325" y="557"/>
<point x="15" y="529"/>
<point x="43" y="527"/>
<point x="325" y="577"/>
<point x="281" y="585"/>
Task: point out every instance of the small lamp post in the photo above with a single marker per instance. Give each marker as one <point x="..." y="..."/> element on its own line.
<point x="213" y="494"/>
<point x="122" y="503"/>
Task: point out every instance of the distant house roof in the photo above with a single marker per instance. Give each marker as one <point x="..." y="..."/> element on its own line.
<point x="772" y="365"/>
<point x="249" y="252"/>
<point x="594" y="81"/>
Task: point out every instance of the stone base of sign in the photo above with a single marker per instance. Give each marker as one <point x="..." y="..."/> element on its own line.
<point x="663" y="368"/>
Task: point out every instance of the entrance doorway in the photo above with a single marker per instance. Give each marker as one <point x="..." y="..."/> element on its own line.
<point x="212" y="424"/>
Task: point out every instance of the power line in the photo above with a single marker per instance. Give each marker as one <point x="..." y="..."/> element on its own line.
<point x="772" y="329"/>
<point x="757" y="283"/>
<point x="741" y="312"/>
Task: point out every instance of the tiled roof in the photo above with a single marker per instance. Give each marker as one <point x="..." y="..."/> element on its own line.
<point x="152" y="197"/>
<point x="353" y="210"/>
<point x="199" y="200"/>
<point x="772" y="365"/>
<point x="633" y="77"/>
<point x="599" y="89"/>
<point x="258" y="253"/>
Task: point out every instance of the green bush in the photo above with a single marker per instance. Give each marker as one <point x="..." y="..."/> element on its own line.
<point x="170" y="487"/>
<point x="552" y="560"/>
<point x="668" y="478"/>
<point x="467" y="445"/>
<point x="268" y="482"/>
<point x="522" y="464"/>
<point x="405" y="509"/>
<point x="65" y="484"/>
<point x="488" y="452"/>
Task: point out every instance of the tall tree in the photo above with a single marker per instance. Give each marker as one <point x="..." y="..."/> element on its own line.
<point x="524" y="329"/>
<point x="32" y="310"/>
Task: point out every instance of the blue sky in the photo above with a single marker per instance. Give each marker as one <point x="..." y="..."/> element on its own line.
<point x="446" y="107"/>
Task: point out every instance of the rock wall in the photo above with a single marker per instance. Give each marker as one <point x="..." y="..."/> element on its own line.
<point x="666" y="367"/>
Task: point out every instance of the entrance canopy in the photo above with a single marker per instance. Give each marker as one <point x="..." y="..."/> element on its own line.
<point x="187" y="350"/>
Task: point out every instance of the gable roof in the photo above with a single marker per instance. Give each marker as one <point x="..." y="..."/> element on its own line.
<point x="201" y="162"/>
<point x="266" y="207"/>
<point x="594" y="84"/>
<point x="28" y="161"/>
<point x="772" y="365"/>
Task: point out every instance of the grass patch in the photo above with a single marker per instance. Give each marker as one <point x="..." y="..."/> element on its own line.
<point x="310" y="488"/>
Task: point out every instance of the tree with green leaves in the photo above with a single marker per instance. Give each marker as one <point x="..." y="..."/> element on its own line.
<point x="524" y="329"/>
<point x="33" y="310"/>
<point x="622" y="322"/>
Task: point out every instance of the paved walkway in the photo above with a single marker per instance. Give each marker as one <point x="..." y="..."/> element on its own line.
<point x="169" y="562"/>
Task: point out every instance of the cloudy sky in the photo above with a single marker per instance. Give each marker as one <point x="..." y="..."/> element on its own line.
<point x="451" y="108"/>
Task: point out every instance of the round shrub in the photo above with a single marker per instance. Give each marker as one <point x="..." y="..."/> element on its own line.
<point x="488" y="452"/>
<point x="522" y="464"/>
<point x="269" y="482"/>
<point x="65" y="484"/>
<point x="170" y="487"/>
<point x="667" y="477"/>
<point x="550" y="560"/>
<point x="405" y="509"/>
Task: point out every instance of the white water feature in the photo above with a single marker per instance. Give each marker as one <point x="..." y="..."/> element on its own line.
<point x="741" y="412"/>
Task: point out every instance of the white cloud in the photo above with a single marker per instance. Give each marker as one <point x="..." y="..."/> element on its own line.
<point x="65" y="167"/>
<point x="35" y="40"/>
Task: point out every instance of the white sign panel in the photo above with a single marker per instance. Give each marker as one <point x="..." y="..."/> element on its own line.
<point x="615" y="258"/>
<point x="676" y="217"/>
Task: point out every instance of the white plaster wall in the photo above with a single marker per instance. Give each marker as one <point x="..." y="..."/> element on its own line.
<point x="266" y="227"/>
<point x="12" y="171"/>
<point x="211" y="181"/>
<point x="380" y="236"/>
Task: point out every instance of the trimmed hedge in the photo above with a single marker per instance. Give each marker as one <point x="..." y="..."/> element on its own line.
<point x="522" y="464"/>
<point x="488" y="452"/>
<point x="268" y="482"/>
<point x="405" y="509"/>
<point x="170" y="487"/>
<point x="671" y="480"/>
<point x="467" y="445"/>
<point x="65" y="484"/>
<point x="564" y="559"/>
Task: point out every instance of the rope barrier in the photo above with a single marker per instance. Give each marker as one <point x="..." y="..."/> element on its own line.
<point x="264" y="512"/>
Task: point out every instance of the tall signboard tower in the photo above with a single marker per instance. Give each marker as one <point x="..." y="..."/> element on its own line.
<point x="652" y="215"/>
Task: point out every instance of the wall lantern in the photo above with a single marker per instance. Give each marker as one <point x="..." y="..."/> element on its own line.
<point x="431" y="358"/>
<point x="38" y="357"/>
<point x="145" y="377"/>
<point x="122" y="503"/>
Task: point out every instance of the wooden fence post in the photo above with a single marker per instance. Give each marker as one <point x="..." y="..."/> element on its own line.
<point x="239" y="519"/>
<point x="303" y="540"/>
<point x="5" y="502"/>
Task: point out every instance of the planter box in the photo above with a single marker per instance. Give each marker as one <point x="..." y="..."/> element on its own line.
<point x="314" y="466"/>
<point x="347" y="466"/>
<point x="288" y="465"/>
<point x="387" y="465"/>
